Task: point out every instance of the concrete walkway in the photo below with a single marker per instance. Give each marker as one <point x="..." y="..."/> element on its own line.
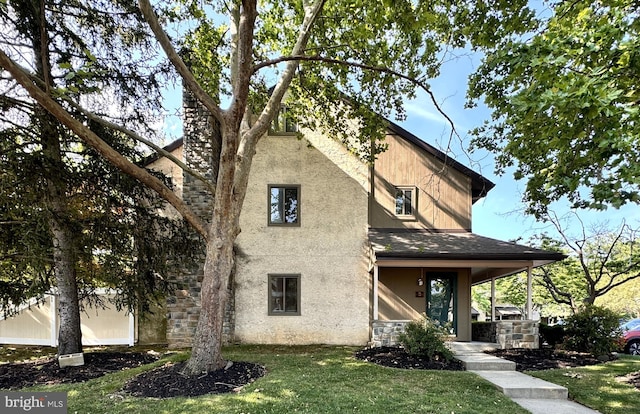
<point x="533" y="394"/>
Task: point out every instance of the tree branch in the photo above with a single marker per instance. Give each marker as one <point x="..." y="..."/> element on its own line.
<point x="145" y="141"/>
<point x="188" y="78"/>
<point x="382" y="69"/>
<point x="102" y="147"/>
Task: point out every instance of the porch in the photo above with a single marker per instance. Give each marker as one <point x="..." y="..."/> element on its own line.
<point x="419" y="272"/>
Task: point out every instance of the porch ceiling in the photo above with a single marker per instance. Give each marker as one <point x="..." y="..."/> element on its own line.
<point x="485" y="257"/>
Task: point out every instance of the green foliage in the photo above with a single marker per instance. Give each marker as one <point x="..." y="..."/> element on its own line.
<point x="425" y="338"/>
<point x="593" y="329"/>
<point x="565" y="105"/>
<point x="552" y="334"/>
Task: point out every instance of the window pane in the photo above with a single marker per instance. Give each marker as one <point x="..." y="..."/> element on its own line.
<point x="399" y="202"/>
<point x="277" y="294"/>
<point x="291" y="205"/>
<point x="291" y="295"/>
<point x="407" y="202"/>
<point x="276" y="205"/>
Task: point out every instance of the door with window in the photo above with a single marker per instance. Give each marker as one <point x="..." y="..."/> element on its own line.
<point x="441" y="298"/>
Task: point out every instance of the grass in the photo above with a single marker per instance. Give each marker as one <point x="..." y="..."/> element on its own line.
<point x="312" y="379"/>
<point x="596" y="386"/>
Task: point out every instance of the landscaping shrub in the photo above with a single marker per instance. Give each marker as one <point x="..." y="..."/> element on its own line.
<point x="425" y="338"/>
<point x="551" y="334"/>
<point x="595" y="330"/>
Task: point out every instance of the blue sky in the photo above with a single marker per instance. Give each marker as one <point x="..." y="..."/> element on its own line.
<point x="499" y="215"/>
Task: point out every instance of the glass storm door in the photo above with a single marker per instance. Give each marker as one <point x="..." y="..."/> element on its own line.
<point x="441" y="299"/>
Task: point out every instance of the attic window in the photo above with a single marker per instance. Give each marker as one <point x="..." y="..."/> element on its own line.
<point x="405" y="199"/>
<point x="284" y="123"/>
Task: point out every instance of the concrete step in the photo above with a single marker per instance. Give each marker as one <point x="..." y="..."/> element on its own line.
<point x="539" y="406"/>
<point x="518" y="385"/>
<point x="485" y="362"/>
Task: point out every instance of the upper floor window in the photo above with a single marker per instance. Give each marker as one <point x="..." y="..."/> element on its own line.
<point x="284" y="205"/>
<point x="284" y="294"/>
<point x="405" y="201"/>
<point x="284" y="123"/>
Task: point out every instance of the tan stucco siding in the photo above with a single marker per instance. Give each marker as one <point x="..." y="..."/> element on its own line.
<point x="444" y="194"/>
<point x="327" y="250"/>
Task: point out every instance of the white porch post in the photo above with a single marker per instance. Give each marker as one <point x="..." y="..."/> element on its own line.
<point x="493" y="299"/>
<point x="375" y="292"/>
<point x="529" y="289"/>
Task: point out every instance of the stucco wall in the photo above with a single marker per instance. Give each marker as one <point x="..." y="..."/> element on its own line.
<point x="327" y="250"/>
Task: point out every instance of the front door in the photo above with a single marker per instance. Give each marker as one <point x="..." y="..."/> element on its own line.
<point x="441" y="298"/>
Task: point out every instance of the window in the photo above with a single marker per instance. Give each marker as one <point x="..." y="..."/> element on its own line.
<point x="284" y="294"/>
<point x="284" y="205"/>
<point x="405" y="201"/>
<point x="284" y="123"/>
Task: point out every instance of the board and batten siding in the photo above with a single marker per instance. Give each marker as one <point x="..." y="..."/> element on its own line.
<point x="443" y="193"/>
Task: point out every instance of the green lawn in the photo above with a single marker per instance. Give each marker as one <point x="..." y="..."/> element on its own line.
<point x="318" y="379"/>
<point x="597" y="387"/>
<point x="307" y="380"/>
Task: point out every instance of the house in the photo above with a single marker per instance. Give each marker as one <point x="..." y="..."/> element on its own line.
<point x="336" y="251"/>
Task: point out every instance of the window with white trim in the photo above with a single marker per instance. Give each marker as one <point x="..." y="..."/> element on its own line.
<point x="284" y="294"/>
<point x="405" y="199"/>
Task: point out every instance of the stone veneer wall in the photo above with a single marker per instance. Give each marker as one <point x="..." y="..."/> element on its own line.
<point x="183" y="308"/>
<point x="386" y="333"/>
<point x="508" y="334"/>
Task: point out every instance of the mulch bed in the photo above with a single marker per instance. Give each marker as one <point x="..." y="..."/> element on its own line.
<point x="45" y="371"/>
<point x="546" y="358"/>
<point x="168" y="381"/>
<point x="396" y="357"/>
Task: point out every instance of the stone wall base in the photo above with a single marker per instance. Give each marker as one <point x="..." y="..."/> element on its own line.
<point x="508" y="334"/>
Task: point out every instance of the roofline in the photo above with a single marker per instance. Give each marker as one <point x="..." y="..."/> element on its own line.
<point x="470" y="256"/>
<point x="480" y="185"/>
<point x="156" y="156"/>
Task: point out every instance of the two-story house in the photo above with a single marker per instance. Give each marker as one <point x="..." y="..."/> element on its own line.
<point x="336" y="251"/>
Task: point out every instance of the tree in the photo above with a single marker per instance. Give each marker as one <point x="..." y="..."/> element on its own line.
<point x="337" y="60"/>
<point x="69" y="219"/>
<point x="565" y="105"/>
<point x="600" y="262"/>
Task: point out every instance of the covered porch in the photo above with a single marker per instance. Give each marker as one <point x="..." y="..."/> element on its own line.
<point x="420" y="272"/>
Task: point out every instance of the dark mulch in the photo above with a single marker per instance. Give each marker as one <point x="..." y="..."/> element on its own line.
<point x="46" y="370"/>
<point x="398" y="358"/>
<point x="546" y="358"/>
<point x="167" y="381"/>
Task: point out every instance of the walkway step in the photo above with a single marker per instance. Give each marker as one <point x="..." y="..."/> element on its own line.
<point x="518" y="385"/>
<point x="538" y="406"/>
<point x="485" y="362"/>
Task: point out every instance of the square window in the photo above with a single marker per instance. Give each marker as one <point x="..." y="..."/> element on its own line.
<point x="283" y="123"/>
<point x="284" y="294"/>
<point x="405" y="201"/>
<point x="284" y="205"/>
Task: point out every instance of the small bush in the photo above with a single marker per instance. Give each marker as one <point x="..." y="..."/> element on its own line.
<point x="425" y="338"/>
<point x="595" y="330"/>
<point x="552" y="334"/>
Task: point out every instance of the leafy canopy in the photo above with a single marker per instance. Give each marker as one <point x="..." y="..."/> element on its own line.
<point x="565" y="104"/>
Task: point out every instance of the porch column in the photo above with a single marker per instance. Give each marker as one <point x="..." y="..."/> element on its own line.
<point x="529" y="289"/>
<point x="375" y="292"/>
<point x="493" y="299"/>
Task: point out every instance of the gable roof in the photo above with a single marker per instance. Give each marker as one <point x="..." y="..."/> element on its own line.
<point x="480" y="185"/>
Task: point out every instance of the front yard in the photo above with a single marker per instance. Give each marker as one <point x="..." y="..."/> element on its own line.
<point x="320" y="379"/>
